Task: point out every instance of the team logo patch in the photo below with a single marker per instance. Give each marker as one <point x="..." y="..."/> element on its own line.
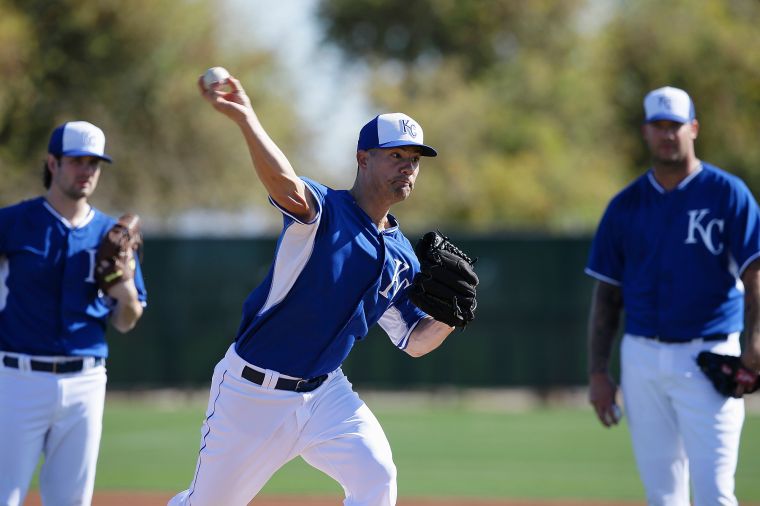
<point x="665" y="102"/>
<point x="89" y="141"/>
<point x="701" y="229"/>
<point x="407" y="127"/>
<point x="397" y="283"/>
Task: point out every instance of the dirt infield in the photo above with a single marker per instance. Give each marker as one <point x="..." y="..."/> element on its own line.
<point x="160" y="499"/>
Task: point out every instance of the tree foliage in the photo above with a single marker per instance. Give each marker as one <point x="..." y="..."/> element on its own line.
<point x="707" y="48"/>
<point x="536" y="106"/>
<point x="478" y="34"/>
<point x="132" y="71"/>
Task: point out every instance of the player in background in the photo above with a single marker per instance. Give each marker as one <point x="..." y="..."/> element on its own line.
<point x="341" y="265"/>
<point x="52" y="325"/>
<point x="677" y="251"/>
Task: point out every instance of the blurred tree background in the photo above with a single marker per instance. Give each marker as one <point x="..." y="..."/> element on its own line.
<point x="133" y="72"/>
<point x="535" y="106"/>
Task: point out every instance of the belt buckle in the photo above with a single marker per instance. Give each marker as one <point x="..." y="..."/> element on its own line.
<point x="299" y="383"/>
<point x="55" y="367"/>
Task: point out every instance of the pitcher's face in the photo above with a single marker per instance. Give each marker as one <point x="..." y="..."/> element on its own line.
<point x="394" y="170"/>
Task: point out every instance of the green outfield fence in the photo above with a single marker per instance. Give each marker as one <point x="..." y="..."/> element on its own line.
<point x="533" y="303"/>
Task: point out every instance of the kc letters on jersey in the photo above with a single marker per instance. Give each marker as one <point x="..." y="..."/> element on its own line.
<point x="397" y="283"/>
<point x="701" y="228"/>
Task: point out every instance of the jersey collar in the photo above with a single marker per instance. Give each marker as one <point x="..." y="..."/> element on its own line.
<point x="64" y="221"/>
<point x="393" y="222"/>
<point x="681" y="185"/>
<point x="394" y="226"/>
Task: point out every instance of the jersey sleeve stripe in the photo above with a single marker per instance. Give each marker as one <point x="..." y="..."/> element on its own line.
<point x="393" y="323"/>
<point x="405" y="341"/>
<point x="288" y="214"/>
<point x="602" y="277"/>
<point x="4" y="271"/>
<point x="747" y="262"/>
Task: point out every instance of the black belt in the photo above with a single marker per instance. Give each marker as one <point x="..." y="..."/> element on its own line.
<point x="709" y="337"/>
<point x="55" y="367"/>
<point x="294" y="385"/>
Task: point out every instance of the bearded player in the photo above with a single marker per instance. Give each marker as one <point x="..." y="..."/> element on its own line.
<point x="53" y="316"/>
<point x="677" y="251"/>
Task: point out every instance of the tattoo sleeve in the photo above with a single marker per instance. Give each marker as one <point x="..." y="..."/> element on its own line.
<point x="606" y="308"/>
<point x="751" y="281"/>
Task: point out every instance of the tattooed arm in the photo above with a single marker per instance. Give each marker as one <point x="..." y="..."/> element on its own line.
<point x="604" y="320"/>
<point x="751" y="347"/>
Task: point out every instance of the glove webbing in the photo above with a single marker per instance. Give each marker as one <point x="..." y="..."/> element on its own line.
<point x="451" y="248"/>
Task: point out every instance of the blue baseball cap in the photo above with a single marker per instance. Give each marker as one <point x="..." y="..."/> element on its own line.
<point x="392" y="130"/>
<point x="668" y="103"/>
<point x="78" y="138"/>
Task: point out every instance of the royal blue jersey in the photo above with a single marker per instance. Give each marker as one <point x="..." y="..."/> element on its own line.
<point x="678" y="255"/>
<point x="331" y="280"/>
<point x="49" y="301"/>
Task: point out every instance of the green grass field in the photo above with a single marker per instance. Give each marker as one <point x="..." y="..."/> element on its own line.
<point x="440" y="452"/>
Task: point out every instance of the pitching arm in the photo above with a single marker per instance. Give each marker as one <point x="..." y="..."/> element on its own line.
<point x="272" y="167"/>
<point x="604" y="320"/>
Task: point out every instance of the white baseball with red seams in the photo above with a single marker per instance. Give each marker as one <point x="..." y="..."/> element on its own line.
<point x="215" y="76"/>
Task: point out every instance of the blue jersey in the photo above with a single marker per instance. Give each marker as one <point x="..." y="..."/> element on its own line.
<point x="678" y="255"/>
<point x="331" y="280"/>
<point x="49" y="301"/>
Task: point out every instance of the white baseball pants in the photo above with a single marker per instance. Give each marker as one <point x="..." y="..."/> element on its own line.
<point x="59" y="416"/>
<point x="681" y="427"/>
<point x="251" y="431"/>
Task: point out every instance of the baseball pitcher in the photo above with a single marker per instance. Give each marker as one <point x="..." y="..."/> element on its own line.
<point x="341" y="265"/>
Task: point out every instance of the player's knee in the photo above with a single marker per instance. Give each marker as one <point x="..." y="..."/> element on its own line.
<point x="380" y="481"/>
<point x="713" y="481"/>
<point x="711" y="491"/>
<point x="374" y="486"/>
<point x="714" y="496"/>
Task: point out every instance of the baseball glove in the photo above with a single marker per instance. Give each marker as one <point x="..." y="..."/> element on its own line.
<point x="115" y="259"/>
<point x="445" y="286"/>
<point x="726" y="373"/>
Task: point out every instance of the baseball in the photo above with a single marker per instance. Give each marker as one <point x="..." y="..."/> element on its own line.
<point x="215" y="77"/>
<point x="617" y="412"/>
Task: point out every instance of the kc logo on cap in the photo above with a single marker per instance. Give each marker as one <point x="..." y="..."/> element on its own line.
<point x="392" y="130"/>
<point x="668" y="103"/>
<point x="78" y="138"/>
<point x="408" y="126"/>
